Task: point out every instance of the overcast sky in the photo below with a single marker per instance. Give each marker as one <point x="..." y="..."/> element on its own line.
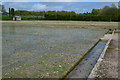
<point x="59" y="0"/>
<point x="78" y="7"/>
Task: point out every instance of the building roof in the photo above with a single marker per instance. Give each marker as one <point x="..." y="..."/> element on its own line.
<point x="17" y="16"/>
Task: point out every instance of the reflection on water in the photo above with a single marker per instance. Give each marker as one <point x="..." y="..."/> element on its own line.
<point x="27" y="50"/>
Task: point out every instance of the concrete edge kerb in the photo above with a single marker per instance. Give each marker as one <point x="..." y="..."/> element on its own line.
<point x="92" y="74"/>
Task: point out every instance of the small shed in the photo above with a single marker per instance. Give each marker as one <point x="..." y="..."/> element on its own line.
<point x="17" y="18"/>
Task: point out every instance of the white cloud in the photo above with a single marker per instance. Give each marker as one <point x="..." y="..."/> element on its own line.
<point x="39" y="7"/>
<point x="60" y="0"/>
<point x="96" y="0"/>
<point x="16" y="5"/>
<point x="57" y="0"/>
<point x="15" y="0"/>
<point x="76" y="0"/>
<point x="31" y="7"/>
<point x="37" y="0"/>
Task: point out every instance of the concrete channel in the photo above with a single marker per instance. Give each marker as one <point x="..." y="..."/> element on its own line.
<point x="85" y="68"/>
<point x="107" y="37"/>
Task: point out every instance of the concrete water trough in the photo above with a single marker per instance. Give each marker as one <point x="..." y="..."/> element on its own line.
<point x="86" y="66"/>
<point x="107" y="37"/>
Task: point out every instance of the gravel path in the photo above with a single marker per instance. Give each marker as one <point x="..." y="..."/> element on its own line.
<point x="109" y="66"/>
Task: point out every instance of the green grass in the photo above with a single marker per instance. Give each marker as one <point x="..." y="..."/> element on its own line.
<point x="111" y="47"/>
<point x="5" y="17"/>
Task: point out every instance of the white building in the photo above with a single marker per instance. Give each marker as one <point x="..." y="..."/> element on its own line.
<point x="17" y="18"/>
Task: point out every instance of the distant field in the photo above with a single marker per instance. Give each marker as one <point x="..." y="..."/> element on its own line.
<point x="75" y="24"/>
<point x="48" y="49"/>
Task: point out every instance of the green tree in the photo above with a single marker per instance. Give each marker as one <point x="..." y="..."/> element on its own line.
<point x="2" y="9"/>
<point x="96" y="11"/>
<point x="12" y="12"/>
<point x="113" y="6"/>
<point x="109" y="10"/>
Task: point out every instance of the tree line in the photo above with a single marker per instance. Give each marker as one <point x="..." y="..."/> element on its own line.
<point x="108" y="13"/>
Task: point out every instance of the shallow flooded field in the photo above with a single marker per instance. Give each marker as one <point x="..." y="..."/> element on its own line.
<point x="32" y="51"/>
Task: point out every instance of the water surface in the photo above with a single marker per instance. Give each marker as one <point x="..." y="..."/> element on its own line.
<point x="33" y="51"/>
